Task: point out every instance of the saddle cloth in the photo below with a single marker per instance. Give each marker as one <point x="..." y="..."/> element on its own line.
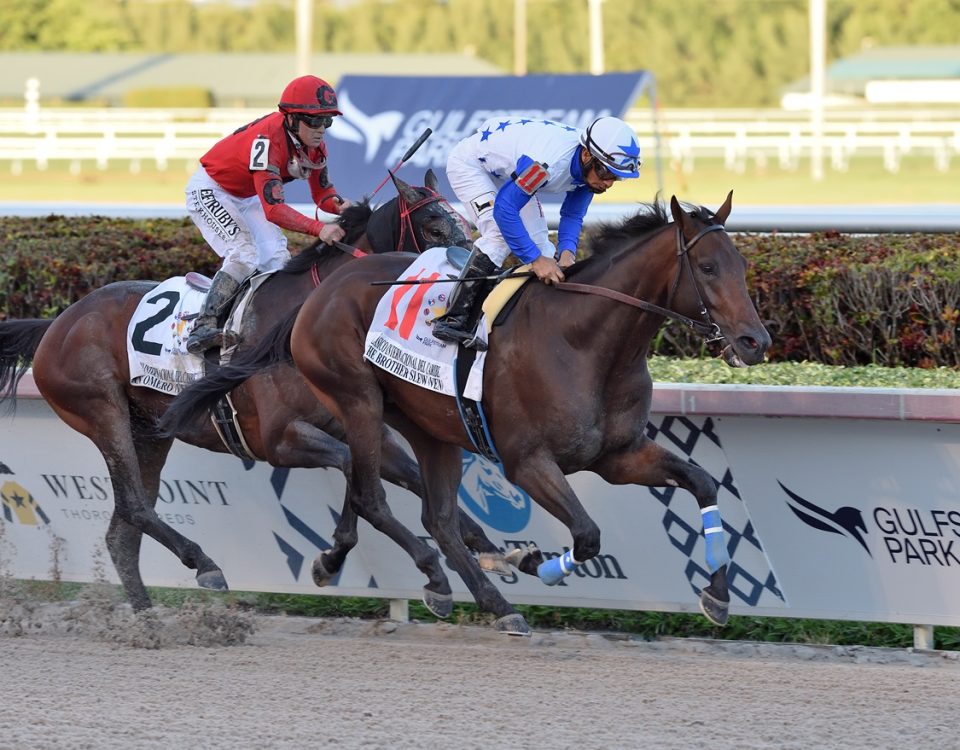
<point x="157" y="334"/>
<point x="400" y="340"/>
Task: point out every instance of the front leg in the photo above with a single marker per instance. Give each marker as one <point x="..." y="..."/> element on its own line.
<point x="648" y="464"/>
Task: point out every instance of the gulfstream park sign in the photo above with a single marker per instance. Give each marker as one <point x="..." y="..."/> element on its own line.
<point x="383" y="116"/>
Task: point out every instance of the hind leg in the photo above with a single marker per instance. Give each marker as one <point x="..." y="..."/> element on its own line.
<point x="441" y="469"/>
<point x="399" y="469"/>
<point x="651" y="465"/>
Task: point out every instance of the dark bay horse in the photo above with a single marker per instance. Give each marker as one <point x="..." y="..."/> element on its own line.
<point x="80" y="367"/>
<point x="565" y="388"/>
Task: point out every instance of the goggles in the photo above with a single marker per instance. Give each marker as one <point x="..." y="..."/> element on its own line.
<point x="316" y="121"/>
<point x="602" y="173"/>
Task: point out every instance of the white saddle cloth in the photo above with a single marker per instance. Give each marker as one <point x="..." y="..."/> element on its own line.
<point x="400" y="340"/>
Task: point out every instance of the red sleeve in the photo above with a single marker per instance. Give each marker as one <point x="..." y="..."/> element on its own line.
<point x="321" y="189"/>
<point x="269" y="189"/>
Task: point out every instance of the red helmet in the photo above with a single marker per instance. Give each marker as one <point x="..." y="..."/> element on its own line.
<point x="309" y="95"/>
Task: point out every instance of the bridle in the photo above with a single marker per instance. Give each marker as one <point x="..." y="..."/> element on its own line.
<point x="406" y="226"/>
<point x="706" y="327"/>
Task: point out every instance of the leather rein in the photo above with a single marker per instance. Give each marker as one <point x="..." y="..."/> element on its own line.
<point x="406" y="225"/>
<point x="706" y="328"/>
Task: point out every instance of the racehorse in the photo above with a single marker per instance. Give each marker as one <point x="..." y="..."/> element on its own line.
<point x="566" y="386"/>
<point x="80" y="367"/>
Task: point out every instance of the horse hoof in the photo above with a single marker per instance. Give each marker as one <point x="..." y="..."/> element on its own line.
<point x="440" y="605"/>
<point x="713" y="609"/>
<point x="512" y="624"/>
<point x="321" y="575"/>
<point x="212" y="579"/>
<point x="525" y="560"/>
<point x="494" y="562"/>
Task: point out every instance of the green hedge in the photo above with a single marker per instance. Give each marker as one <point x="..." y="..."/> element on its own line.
<point x="891" y="300"/>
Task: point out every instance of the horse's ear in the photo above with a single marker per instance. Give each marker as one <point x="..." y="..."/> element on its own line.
<point x="678" y="213"/>
<point x="724" y="211"/>
<point x="430" y="180"/>
<point x="409" y="194"/>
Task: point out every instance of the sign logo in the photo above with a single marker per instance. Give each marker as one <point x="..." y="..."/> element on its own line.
<point x="490" y="497"/>
<point x="845" y="521"/>
<point x="20" y="506"/>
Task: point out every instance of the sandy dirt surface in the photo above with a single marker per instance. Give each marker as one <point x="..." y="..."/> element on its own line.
<point x="76" y="678"/>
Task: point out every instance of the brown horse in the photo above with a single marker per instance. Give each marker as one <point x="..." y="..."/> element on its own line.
<point x="80" y="367"/>
<point x="565" y="387"/>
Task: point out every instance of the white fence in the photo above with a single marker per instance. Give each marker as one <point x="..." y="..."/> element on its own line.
<point x="737" y="136"/>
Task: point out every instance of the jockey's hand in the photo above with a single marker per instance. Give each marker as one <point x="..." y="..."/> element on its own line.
<point x="567" y="258"/>
<point x="342" y="202"/>
<point x="331" y="233"/>
<point x="547" y="270"/>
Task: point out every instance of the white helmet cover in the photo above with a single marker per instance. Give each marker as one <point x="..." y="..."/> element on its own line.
<point x="613" y="143"/>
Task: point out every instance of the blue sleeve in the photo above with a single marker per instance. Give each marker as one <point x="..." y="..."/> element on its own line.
<point x="572" y="211"/>
<point x="506" y="212"/>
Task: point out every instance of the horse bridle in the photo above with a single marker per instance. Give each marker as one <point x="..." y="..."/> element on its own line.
<point x="709" y="329"/>
<point x="406" y="224"/>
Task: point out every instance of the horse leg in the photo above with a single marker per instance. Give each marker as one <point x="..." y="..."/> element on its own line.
<point x="440" y="465"/>
<point x="397" y="468"/>
<point x="651" y="465"/>
<point x="123" y="539"/>
<point x="543" y="480"/>
<point x="114" y="437"/>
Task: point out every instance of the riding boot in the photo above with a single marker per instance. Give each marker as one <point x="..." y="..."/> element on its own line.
<point x="206" y="332"/>
<point x="458" y="324"/>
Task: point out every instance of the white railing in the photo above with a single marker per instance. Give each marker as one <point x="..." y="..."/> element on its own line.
<point x="736" y="136"/>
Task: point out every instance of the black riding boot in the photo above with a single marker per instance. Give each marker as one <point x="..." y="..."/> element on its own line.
<point x="206" y="333"/>
<point x="458" y="324"/>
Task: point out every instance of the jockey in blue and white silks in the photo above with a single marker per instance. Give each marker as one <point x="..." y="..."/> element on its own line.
<point x="497" y="173"/>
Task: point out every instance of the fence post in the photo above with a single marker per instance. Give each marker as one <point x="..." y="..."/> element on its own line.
<point x="400" y="610"/>
<point x="923" y="637"/>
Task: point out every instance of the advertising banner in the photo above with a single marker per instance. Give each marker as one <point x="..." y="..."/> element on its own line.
<point x="384" y="115"/>
<point x="841" y="519"/>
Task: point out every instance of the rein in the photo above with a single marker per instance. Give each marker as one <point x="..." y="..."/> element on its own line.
<point x="709" y="329"/>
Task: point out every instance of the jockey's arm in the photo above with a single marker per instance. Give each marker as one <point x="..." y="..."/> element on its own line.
<point x="572" y="211"/>
<point x="324" y="194"/>
<point x="269" y="189"/>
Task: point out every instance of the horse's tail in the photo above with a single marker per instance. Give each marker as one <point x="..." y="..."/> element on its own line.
<point x="19" y="340"/>
<point x="194" y="403"/>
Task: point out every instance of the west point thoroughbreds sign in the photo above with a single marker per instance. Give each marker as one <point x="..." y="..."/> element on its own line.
<point x="845" y="506"/>
<point x="383" y="116"/>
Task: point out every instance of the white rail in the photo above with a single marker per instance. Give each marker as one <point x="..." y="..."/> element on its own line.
<point x="736" y="136"/>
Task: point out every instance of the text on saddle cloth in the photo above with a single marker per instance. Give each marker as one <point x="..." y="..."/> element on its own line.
<point x="157" y="334"/>
<point x="400" y="339"/>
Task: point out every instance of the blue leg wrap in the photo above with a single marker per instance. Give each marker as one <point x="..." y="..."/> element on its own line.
<point x="716" y="555"/>
<point x="556" y="569"/>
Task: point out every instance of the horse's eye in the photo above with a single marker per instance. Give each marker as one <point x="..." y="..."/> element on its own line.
<point x="708" y="268"/>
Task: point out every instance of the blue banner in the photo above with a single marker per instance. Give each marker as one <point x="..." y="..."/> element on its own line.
<point x="383" y="116"/>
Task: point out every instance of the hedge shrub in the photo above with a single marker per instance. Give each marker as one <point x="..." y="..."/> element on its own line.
<point x="892" y="300"/>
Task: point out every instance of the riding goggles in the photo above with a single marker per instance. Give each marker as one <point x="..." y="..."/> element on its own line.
<point x="316" y="121"/>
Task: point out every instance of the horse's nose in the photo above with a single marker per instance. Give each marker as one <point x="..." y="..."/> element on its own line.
<point x="751" y="349"/>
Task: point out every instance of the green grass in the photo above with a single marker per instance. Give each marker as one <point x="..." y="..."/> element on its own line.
<point x="866" y="182"/>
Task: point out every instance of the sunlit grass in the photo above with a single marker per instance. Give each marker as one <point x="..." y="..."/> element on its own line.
<point x="866" y="182"/>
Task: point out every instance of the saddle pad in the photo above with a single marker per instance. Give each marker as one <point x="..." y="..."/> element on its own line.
<point x="400" y="339"/>
<point x="501" y="295"/>
<point x="158" y="330"/>
<point x="157" y="337"/>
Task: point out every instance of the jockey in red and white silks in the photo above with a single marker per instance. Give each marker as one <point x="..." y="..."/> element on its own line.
<point x="236" y="195"/>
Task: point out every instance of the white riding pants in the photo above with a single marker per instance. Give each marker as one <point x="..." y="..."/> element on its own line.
<point x="236" y="228"/>
<point x="476" y="190"/>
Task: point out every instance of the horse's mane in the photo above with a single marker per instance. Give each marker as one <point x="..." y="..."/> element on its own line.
<point x="649" y="218"/>
<point x="354" y="220"/>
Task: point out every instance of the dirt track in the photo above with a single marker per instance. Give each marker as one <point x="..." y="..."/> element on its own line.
<point x="301" y="683"/>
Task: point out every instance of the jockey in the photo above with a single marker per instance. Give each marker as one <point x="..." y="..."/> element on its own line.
<point x="236" y="195"/>
<point x="497" y="173"/>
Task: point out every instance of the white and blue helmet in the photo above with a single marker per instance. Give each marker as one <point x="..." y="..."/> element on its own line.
<point x="613" y="143"/>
